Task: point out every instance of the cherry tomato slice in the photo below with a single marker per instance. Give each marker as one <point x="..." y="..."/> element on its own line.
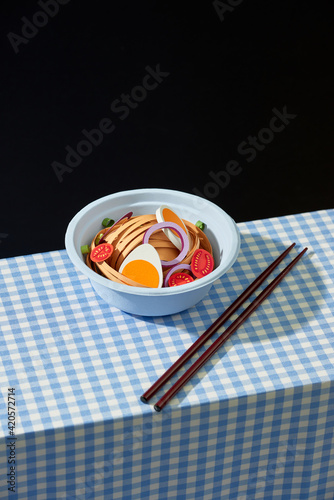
<point x="179" y="279"/>
<point x="101" y="252"/>
<point x="202" y="263"/>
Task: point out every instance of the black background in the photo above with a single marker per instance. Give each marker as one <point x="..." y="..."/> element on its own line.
<point x="225" y="77"/>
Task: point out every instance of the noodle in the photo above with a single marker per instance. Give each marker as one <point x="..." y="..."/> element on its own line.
<point x="128" y="234"/>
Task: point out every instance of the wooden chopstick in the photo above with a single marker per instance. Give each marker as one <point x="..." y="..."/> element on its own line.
<point x="213" y="328"/>
<point x="225" y="336"/>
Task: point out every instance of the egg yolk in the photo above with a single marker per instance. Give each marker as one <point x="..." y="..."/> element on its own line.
<point x="170" y="216"/>
<point x="142" y="272"/>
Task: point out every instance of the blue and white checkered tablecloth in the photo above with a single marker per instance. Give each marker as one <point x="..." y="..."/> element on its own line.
<point x="256" y="422"/>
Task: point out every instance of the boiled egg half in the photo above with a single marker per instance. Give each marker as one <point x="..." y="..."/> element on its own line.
<point x="166" y="214"/>
<point x="143" y="265"/>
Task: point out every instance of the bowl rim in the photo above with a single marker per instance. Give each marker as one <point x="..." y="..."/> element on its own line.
<point x="133" y="290"/>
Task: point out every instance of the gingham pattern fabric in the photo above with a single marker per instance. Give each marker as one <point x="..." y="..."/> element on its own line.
<point x="256" y="422"/>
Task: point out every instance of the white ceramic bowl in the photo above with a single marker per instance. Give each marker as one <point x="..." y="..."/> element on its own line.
<point x="220" y="229"/>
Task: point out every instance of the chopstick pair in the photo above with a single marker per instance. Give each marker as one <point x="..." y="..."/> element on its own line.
<point x="214" y="327"/>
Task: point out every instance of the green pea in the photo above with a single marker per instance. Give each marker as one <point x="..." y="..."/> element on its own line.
<point x="200" y="224"/>
<point x="98" y="238"/>
<point x="107" y="222"/>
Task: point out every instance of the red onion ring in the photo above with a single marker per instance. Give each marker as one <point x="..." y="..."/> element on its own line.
<point x="180" y="232"/>
<point x="175" y="268"/>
